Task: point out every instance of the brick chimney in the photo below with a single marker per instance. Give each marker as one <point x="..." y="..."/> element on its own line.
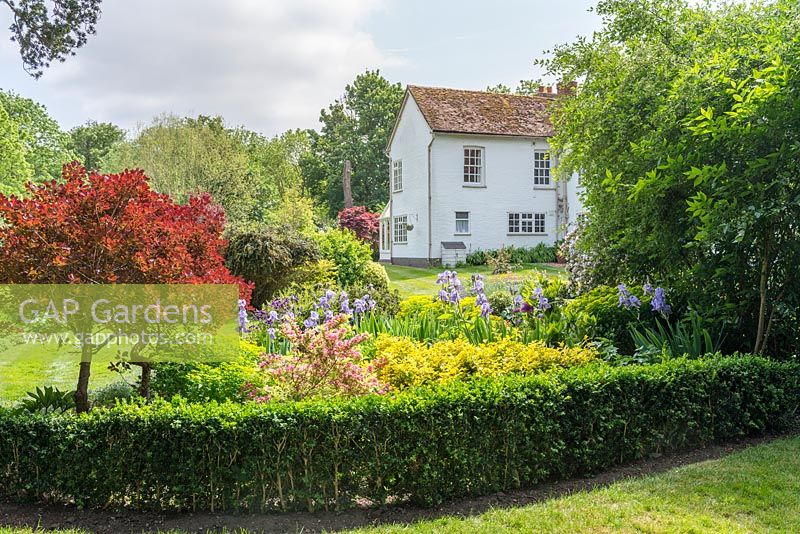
<point x="541" y="89"/>
<point x="567" y="88"/>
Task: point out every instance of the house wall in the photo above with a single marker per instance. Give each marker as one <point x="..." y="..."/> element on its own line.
<point x="508" y="187"/>
<point x="410" y="144"/>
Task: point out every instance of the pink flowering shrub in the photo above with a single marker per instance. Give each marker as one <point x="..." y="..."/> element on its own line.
<point x="323" y="361"/>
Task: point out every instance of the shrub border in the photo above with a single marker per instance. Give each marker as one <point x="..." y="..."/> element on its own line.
<point x="429" y="445"/>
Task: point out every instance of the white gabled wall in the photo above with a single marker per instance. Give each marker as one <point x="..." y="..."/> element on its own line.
<point x="410" y="144"/>
<point x="508" y="180"/>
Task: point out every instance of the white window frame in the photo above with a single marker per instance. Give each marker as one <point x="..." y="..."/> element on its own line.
<point x="539" y="223"/>
<point x="400" y="229"/>
<point x="397" y="175"/>
<point x="464" y="218"/>
<point x="474" y="166"/>
<point x="386" y="234"/>
<point x="542" y="168"/>
<point x="527" y="223"/>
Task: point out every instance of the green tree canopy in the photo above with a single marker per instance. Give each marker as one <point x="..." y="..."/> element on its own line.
<point x="183" y="156"/>
<point x="356" y="128"/>
<point x="686" y="131"/>
<point x="15" y="171"/>
<point x="47" y="146"/>
<point x="93" y="140"/>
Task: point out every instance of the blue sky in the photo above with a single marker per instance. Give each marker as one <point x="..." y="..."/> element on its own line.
<point x="272" y="65"/>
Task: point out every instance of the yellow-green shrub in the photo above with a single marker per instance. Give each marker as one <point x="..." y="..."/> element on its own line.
<point x="410" y="363"/>
<point x="424" y="305"/>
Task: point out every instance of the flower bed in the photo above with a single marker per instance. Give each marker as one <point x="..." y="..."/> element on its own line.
<point x="426" y="444"/>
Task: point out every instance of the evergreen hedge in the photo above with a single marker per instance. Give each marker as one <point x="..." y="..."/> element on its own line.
<point x="427" y="444"/>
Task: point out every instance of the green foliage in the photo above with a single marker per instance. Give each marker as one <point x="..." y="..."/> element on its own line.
<point x="685" y="133"/>
<point x="483" y="437"/>
<point x="541" y="253"/>
<point x="686" y="338"/>
<point x="46" y="146"/>
<point x="93" y="140"/>
<point x="348" y="252"/>
<point x="219" y="382"/>
<point x="186" y="156"/>
<point x="51" y="31"/>
<point x="111" y="394"/>
<point x="48" y="400"/>
<point x="375" y="276"/>
<point x="355" y="128"/>
<point x="610" y="320"/>
<point x="268" y="257"/>
<point x="15" y="171"/>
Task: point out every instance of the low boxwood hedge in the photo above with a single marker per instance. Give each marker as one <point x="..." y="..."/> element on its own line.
<point x="426" y="444"/>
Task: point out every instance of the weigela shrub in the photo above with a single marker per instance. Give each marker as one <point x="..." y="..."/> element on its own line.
<point x="324" y="361"/>
<point x="410" y="363"/>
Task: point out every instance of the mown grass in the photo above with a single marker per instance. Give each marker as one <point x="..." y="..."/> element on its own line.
<point x="422" y="281"/>
<point x="754" y="490"/>
<point x="21" y="373"/>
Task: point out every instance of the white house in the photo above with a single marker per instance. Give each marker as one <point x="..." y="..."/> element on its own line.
<point x="472" y="170"/>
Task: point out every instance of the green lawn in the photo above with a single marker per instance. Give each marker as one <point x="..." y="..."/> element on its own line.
<point x="754" y="490"/>
<point x="20" y="374"/>
<point x="422" y="281"/>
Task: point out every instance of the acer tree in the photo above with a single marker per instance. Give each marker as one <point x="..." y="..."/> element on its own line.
<point x="111" y="228"/>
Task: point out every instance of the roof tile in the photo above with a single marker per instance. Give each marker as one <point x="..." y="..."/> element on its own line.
<point x="479" y="112"/>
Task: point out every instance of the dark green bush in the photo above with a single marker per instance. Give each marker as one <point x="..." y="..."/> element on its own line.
<point x="268" y="257"/>
<point x="428" y="444"/>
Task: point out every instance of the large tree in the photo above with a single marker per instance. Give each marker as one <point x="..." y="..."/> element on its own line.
<point x="93" y="140"/>
<point x="686" y="130"/>
<point x="48" y="31"/>
<point x="277" y="179"/>
<point x="184" y="156"/>
<point x="110" y="229"/>
<point x="355" y="127"/>
<point x="46" y="145"/>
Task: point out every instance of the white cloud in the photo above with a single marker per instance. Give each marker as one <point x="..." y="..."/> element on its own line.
<point x="268" y="65"/>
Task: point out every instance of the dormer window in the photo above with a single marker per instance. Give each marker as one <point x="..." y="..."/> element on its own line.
<point x="473" y="166"/>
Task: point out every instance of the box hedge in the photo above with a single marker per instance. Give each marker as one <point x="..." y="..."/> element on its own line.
<point x="427" y="444"/>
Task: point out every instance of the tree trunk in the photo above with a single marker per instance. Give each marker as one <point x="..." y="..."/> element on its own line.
<point x="762" y="307"/>
<point x="346" y="185"/>
<point x="144" y="384"/>
<point x="82" y="391"/>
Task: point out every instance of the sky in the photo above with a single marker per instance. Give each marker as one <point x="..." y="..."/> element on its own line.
<point x="271" y="65"/>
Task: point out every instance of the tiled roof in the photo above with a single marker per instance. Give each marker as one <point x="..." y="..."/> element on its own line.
<point x="478" y="112"/>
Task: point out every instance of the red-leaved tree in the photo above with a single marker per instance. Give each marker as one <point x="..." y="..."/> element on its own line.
<point x="107" y="229"/>
<point x="362" y="222"/>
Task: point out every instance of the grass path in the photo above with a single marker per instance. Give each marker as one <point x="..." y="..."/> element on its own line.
<point x="422" y="281"/>
<point x="753" y="490"/>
